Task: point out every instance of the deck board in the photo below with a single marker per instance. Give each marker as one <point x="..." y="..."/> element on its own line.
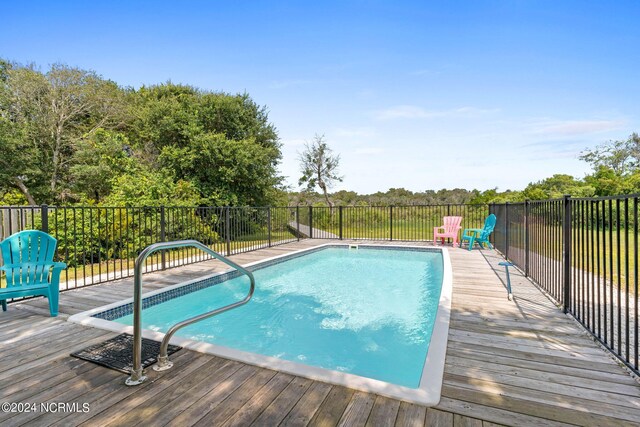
<point x="281" y="405"/>
<point x="410" y="415"/>
<point x="259" y="401"/>
<point x="358" y="410"/>
<point x="438" y="418"/>
<point x="308" y="405"/>
<point x="234" y="401"/>
<point x="331" y="410"/>
<point x="520" y="362"/>
<point x="384" y="412"/>
<point x="224" y="387"/>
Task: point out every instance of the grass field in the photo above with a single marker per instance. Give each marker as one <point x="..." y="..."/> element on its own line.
<point x="95" y="273"/>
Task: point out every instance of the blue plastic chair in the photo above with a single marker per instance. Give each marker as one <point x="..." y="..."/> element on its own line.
<point x="29" y="268"/>
<point x="479" y="235"/>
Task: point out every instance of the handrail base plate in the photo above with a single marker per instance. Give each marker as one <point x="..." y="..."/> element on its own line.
<point x="163" y="364"/>
<point x="131" y="381"/>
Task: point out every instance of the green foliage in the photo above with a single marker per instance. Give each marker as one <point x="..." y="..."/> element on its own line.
<point x="49" y="113"/>
<point x="398" y="197"/>
<point x="616" y="167"/>
<point x="92" y="235"/>
<point x="606" y="182"/>
<point x="494" y="196"/>
<point x="222" y="144"/>
<point x="621" y="156"/>
<point x="557" y="186"/>
<point x="18" y="162"/>
<point x="12" y="197"/>
<point x="99" y="159"/>
<point x="632" y="183"/>
<point x="67" y="135"/>
<point x="345" y="197"/>
<point x="146" y="187"/>
<point x="238" y="118"/>
<point x="225" y="172"/>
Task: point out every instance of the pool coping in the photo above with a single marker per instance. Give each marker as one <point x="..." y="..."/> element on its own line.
<point x="428" y="393"/>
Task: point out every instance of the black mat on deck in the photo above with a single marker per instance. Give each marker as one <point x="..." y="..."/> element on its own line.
<point x="117" y="353"/>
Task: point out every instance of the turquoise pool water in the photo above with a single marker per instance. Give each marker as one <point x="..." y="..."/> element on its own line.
<point x="368" y="312"/>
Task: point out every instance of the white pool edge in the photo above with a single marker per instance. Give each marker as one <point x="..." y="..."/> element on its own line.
<point x="428" y="393"/>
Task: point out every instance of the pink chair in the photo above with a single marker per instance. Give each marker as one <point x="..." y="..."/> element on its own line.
<point x="448" y="230"/>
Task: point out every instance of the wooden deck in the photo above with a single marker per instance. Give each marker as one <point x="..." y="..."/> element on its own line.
<point x="511" y="363"/>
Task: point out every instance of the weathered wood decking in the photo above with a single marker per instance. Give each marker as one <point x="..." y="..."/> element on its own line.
<point x="513" y="363"/>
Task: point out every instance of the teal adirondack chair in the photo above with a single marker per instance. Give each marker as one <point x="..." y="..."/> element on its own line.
<point x="479" y="235"/>
<point x="29" y="268"/>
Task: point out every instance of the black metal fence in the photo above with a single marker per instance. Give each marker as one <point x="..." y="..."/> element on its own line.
<point x="99" y="244"/>
<point x="402" y="223"/>
<point x="584" y="253"/>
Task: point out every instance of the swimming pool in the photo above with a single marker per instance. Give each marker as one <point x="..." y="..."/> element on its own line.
<point x="373" y="318"/>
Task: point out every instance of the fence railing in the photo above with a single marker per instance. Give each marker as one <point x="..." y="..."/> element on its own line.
<point x="584" y="253"/>
<point x="99" y="244"/>
<point x="402" y="223"/>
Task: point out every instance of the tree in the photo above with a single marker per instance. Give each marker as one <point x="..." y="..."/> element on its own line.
<point x="319" y="166"/>
<point x="345" y="197"/>
<point x="147" y="187"/>
<point x="45" y="117"/>
<point x="557" y="186"/>
<point x="223" y="144"/>
<point x="607" y="182"/>
<point x="98" y="161"/>
<point x="621" y="156"/>
<point x="226" y="172"/>
<point x="17" y="168"/>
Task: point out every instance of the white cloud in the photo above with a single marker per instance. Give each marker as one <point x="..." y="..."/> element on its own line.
<point x="415" y="112"/>
<point x="575" y="127"/>
<point x="554" y="149"/>
<point x="369" y="151"/>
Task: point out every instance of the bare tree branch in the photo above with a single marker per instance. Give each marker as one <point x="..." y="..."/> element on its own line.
<point x="319" y="167"/>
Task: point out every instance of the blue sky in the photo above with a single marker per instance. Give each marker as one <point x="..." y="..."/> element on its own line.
<point x="414" y="94"/>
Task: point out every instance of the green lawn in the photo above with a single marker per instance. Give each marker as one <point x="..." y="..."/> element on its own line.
<point x="593" y="250"/>
<point x="77" y="274"/>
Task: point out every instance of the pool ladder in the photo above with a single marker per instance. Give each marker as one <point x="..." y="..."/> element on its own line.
<point x="137" y="375"/>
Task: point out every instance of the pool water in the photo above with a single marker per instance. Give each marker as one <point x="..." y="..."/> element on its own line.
<point x="368" y="312"/>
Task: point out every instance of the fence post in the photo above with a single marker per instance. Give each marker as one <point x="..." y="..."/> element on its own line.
<point x="492" y="209"/>
<point x="298" y="221"/>
<point x="506" y="230"/>
<point x="340" y="220"/>
<point x="44" y="212"/>
<point x="390" y="222"/>
<point x="526" y="238"/>
<point x="269" y="225"/>
<point x="448" y="210"/>
<point x="227" y="230"/>
<point x="163" y="237"/>
<point x="311" y="222"/>
<point x="566" y="253"/>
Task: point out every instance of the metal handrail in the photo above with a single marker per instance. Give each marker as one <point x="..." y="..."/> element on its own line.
<point x="137" y="376"/>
